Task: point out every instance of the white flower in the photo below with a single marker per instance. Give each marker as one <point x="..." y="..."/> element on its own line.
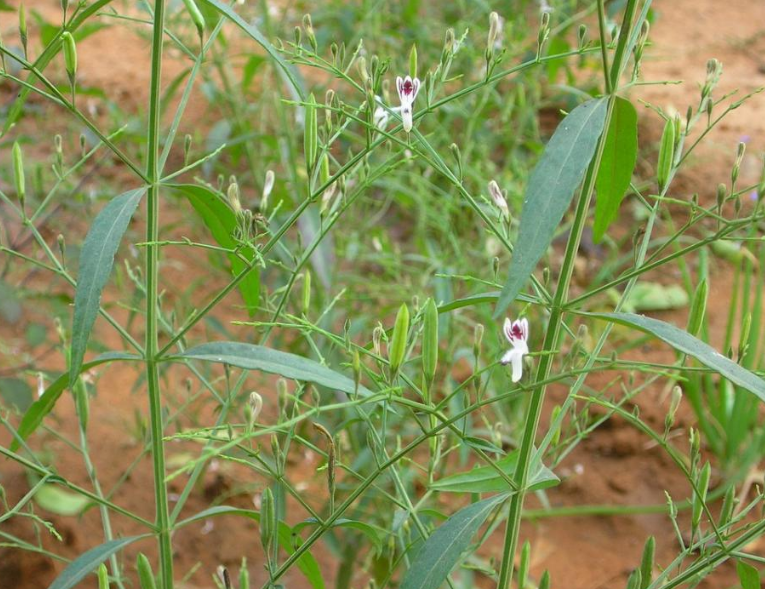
<point x="498" y="198"/>
<point x="380" y="118"/>
<point x="407" y="92"/>
<point x="517" y="333"/>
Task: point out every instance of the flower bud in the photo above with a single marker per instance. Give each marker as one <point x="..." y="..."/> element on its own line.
<point x="413" y="61"/>
<point x="309" y="32"/>
<point x="268" y="186"/>
<point x="233" y="196"/>
<point x="499" y="199"/>
<point x="740" y="151"/>
<point x="493" y="31"/>
<point x="267" y="521"/>
<point x="478" y="332"/>
<point x="582" y="37"/>
<point x="256" y="406"/>
<point x="666" y="155"/>
<point x="306" y="299"/>
<point x="377" y="335"/>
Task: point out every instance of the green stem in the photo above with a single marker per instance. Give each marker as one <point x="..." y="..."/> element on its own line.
<point x="545" y="365"/>
<point x="151" y="345"/>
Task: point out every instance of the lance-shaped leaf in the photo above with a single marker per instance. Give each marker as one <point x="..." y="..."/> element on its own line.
<point x="486" y="479"/>
<point x="616" y="165"/>
<point x="551" y="187"/>
<point x="221" y="221"/>
<point x="96" y="261"/>
<point x="84" y="564"/>
<point x="440" y="553"/>
<point x="44" y="405"/>
<point x="254" y="357"/>
<point x="687" y="344"/>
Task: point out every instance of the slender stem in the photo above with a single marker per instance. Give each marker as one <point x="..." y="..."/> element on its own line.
<point x="152" y="311"/>
<point x="545" y="365"/>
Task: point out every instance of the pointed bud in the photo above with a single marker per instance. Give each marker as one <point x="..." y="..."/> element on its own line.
<point x="666" y="155"/>
<point x="413" y="61"/>
<point x="268" y="186"/>
<point x="499" y="199"/>
<point x="256" y="406"/>
<point x="70" y="58"/>
<point x="23" y="33"/>
<point x="145" y="574"/>
<point x="493" y="31"/>
<point x="309" y="32"/>
<point x="103" y="577"/>
<point x="430" y="341"/>
<point x="478" y="332"/>
<point x="267" y="521"/>
<point x="377" y="335"/>
<point x="233" y="196"/>
<point x="311" y="134"/>
<point x="582" y="37"/>
<point x="306" y="299"/>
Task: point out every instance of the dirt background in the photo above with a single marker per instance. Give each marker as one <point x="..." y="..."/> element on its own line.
<point x="614" y="466"/>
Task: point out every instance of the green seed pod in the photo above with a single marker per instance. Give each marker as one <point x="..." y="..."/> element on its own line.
<point x="636" y="580"/>
<point x="356" y="369"/>
<point x="82" y="403"/>
<point x="196" y="17"/>
<point x="267" y="521"/>
<point x="145" y="575"/>
<point x="729" y="503"/>
<point x="544" y="581"/>
<point x="244" y="575"/>
<point x="330" y="463"/>
<point x="306" y="301"/>
<point x="311" y="135"/>
<point x="700" y="498"/>
<point x="18" y="173"/>
<point x="309" y="32"/>
<point x="430" y="341"/>
<point x="23" y="27"/>
<point x="666" y="155"/>
<point x="103" y="577"/>
<point x="698" y="309"/>
<point x="523" y="567"/>
<point x="397" y="349"/>
<point x="413" y="61"/>
<point x="70" y="55"/>
<point x="647" y="563"/>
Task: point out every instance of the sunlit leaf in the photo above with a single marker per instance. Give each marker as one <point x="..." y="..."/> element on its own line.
<point x="96" y="261"/>
<point x="616" y="165"/>
<point x="551" y="187"/>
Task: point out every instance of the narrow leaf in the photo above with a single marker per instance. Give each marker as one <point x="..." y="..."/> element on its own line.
<point x="79" y="568"/>
<point x="440" y="553"/>
<point x="44" y="405"/>
<point x="686" y="343"/>
<point x="96" y="261"/>
<point x="616" y="165"/>
<point x="551" y="188"/>
<point x="486" y="479"/>
<point x="253" y="357"/>
<point x="371" y="532"/>
<point x="221" y="221"/>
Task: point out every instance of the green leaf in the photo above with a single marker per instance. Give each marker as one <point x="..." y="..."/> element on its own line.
<point x="486" y="479"/>
<point x="253" y="357"/>
<point x="373" y="533"/>
<point x="221" y="221"/>
<point x="79" y="568"/>
<point x="14" y="391"/>
<point x="306" y="563"/>
<point x="440" y="553"/>
<point x="44" y="405"/>
<point x="96" y="261"/>
<point x="686" y="343"/>
<point x="550" y="190"/>
<point x="616" y="165"/>
<point x="59" y="501"/>
<point x="258" y="37"/>
<point x="748" y="576"/>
